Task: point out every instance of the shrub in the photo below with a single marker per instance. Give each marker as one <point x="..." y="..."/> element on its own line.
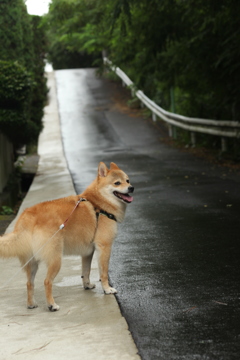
<point x="40" y="89"/>
<point x="16" y="86"/>
<point x="23" y="87"/>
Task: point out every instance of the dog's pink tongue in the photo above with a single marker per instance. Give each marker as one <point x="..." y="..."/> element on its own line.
<point x="127" y="198"/>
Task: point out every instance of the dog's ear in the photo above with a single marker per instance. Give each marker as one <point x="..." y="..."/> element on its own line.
<point x="102" y="169"/>
<point x="113" y="166"/>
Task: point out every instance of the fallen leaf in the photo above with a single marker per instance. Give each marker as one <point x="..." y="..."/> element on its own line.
<point x="219" y="302"/>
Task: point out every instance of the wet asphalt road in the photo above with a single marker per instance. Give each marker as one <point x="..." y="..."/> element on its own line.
<point x="175" y="261"/>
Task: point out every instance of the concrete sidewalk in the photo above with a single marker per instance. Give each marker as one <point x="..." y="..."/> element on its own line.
<point x="89" y="324"/>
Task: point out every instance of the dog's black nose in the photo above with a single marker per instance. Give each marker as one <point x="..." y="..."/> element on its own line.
<point x="131" y="189"/>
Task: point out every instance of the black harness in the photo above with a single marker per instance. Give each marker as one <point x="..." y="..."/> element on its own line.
<point x="98" y="211"/>
<point x="105" y="213"/>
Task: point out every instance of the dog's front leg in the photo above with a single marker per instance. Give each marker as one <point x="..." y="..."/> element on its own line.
<point x="106" y="232"/>
<point x="104" y="252"/>
<point x="86" y="267"/>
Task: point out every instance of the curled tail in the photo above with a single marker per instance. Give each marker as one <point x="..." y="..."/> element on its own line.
<point x="9" y="245"/>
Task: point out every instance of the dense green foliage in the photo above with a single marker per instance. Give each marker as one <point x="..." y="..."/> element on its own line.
<point x="39" y="93"/>
<point x="22" y="83"/>
<point x="66" y="20"/>
<point x="15" y="84"/>
<point x="11" y="30"/>
<point x="15" y="94"/>
<point x="190" y="48"/>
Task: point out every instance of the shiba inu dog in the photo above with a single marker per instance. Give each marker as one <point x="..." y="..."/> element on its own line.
<point x="78" y="224"/>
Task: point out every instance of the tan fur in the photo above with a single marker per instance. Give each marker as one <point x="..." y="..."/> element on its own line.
<point x="82" y="234"/>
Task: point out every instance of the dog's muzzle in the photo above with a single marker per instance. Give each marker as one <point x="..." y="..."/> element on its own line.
<point x="125" y="197"/>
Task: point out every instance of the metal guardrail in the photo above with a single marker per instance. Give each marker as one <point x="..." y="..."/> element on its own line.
<point x="223" y="128"/>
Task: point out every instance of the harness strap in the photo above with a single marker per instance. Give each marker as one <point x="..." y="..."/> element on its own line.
<point x="105" y="213"/>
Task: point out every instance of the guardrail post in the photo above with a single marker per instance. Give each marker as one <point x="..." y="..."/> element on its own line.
<point x="172" y="131"/>
<point x="193" y="139"/>
<point x="154" y="117"/>
<point x="223" y="144"/>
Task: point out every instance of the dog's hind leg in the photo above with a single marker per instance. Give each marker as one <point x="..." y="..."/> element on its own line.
<point x="86" y="268"/>
<point x="31" y="270"/>
<point x="53" y="270"/>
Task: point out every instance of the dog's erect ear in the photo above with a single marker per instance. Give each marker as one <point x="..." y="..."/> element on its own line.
<point x="102" y="169"/>
<point x="113" y="166"/>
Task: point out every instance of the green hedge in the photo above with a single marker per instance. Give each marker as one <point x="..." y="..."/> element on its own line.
<point x="23" y="87"/>
<point x="16" y="86"/>
<point x="40" y="90"/>
<point x="11" y="30"/>
<point x="17" y="126"/>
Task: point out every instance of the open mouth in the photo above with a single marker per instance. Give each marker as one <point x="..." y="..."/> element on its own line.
<point x="125" y="197"/>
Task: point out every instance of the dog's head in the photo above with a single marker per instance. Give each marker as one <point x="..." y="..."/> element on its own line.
<point x="114" y="183"/>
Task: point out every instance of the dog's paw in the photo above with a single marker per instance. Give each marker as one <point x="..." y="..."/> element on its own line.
<point x="32" y="306"/>
<point x="89" y="286"/>
<point x="53" y="307"/>
<point x="110" y="290"/>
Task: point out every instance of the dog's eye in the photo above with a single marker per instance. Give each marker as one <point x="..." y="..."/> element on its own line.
<point x="127" y="181"/>
<point x="117" y="183"/>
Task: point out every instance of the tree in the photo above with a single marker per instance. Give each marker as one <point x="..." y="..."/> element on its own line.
<point x="70" y="33"/>
<point x="189" y="46"/>
<point x="22" y="85"/>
